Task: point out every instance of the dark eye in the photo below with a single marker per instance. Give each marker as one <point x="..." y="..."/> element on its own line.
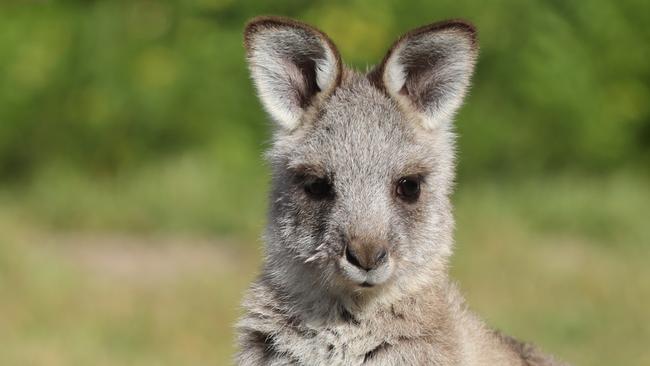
<point x="318" y="188"/>
<point x="408" y="188"/>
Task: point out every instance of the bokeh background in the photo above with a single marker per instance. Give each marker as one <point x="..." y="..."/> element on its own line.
<point x="133" y="192"/>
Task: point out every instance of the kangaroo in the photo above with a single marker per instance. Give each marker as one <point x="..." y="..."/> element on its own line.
<point x="360" y="222"/>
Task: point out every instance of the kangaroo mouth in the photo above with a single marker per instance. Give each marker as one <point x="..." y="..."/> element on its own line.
<point x="366" y="278"/>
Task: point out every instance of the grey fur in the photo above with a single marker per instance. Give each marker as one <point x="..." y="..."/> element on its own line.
<point x="362" y="133"/>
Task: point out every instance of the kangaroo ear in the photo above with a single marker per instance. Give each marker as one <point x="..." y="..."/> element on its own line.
<point x="292" y="65"/>
<point x="428" y="70"/>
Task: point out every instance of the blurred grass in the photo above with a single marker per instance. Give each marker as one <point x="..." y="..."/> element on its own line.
<point x="118" y="300"/>
<point x="188" y="193"/>
<point x="562" y="262"/>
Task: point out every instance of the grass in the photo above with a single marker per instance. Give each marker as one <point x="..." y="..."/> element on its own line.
<point x="191" y="193"/>
<point x="118" y="300"/>
<point x="561" y="262"/>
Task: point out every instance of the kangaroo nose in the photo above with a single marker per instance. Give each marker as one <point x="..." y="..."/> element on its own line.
<point x="366" y="256"/>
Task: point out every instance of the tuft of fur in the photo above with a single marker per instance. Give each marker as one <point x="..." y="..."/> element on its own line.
<point x="363" y="133"/>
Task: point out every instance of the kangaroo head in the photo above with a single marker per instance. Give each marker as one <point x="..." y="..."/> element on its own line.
<point x="363" y="164"/>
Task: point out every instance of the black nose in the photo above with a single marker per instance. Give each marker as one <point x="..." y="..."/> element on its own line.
<point x="366" y="256"/>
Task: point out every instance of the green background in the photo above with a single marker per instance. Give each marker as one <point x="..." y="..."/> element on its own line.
<point x="132" y="187"/>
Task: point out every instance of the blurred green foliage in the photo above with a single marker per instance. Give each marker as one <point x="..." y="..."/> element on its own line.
<point x="107" y="86"/>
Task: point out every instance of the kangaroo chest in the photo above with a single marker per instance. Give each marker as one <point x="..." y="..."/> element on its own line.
<point x="352" y="341"/>
<point x="340" y="344"/>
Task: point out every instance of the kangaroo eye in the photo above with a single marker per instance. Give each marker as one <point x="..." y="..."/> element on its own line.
<point x="408" y="188"/>
<point x="318" y="188"/>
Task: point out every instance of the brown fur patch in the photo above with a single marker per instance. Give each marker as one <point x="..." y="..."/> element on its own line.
<point x="530" y="355"/>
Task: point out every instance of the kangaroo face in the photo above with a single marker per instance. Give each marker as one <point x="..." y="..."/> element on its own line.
<point x="357" y="187"/>
<point x="362" y="164"/>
